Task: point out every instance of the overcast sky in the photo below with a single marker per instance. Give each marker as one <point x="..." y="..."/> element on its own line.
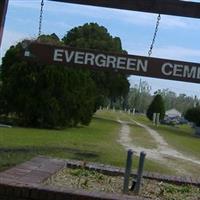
<point x="178" y="37"/>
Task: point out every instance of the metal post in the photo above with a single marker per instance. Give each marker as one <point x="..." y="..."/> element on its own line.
<point x="127" y="171"/>
<point x="140" y="172"/>
<point x="3" y="11"/>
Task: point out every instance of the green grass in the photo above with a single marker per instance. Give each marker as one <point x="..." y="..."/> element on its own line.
<point x="180" y="137"/>
<point x="97" y="142"/>
<point x="141" y="138"/>
<point x="112" y="115"/>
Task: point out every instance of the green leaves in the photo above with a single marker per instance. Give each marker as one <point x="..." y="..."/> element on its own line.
<point x="156" y="106"/>
<point x="53" y="96"/>
<point x="193" y="115"/>
<point x="46" y="96"/>
<point x="92" y="36"/>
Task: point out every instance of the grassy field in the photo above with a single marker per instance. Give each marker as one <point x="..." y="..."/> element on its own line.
<point x="97" y="142"/>
<point x="141" y="138"/>
<point x="180" y="137"/>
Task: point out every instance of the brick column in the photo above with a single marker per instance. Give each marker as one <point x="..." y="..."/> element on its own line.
<point x="3" y="10"/>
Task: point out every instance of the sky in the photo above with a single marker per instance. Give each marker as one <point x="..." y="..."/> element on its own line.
<point x="177" y="38"/>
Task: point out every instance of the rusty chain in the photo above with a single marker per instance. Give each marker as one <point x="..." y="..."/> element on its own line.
<point x="154" y="35"/>
<point x="40" y="18"/>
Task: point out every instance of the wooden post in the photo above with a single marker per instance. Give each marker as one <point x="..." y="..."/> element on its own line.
<point x="3" y="11"/>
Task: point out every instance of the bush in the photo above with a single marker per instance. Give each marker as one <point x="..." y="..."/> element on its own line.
<point x="45" y="95"/>
<point x="193" y="115"/>
<point x="156" y="106"/>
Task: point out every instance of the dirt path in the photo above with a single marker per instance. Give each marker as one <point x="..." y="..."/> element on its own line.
<point x="163" y="153"/>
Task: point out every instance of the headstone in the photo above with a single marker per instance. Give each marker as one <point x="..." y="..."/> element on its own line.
<point x="157" y="119"/>
<point x="154" y="118"/>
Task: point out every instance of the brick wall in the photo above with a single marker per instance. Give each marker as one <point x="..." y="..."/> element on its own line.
<point x="17" y="192"/>
<point x="24" y="182"/>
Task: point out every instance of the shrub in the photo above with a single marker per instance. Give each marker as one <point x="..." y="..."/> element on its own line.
<point x="156" y="106"/>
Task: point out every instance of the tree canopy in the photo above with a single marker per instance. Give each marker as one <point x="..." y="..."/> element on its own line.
<point x="45" y="95"/>
<point x="109" y="85"/>
<point x="156" y="106"/>
<point x="54" y="96"/>
<point x="193" y="115"/>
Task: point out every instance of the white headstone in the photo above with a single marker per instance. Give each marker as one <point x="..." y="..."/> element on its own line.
<point x="154" y="118"/>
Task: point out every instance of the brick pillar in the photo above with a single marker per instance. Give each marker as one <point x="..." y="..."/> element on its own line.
<point x="3" y="10"/>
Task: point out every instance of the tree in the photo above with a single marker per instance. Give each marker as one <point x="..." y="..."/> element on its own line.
<point x="139" y="96"/>
<point x="53" y="96"/>
<point x="193" y="115"/>
<point x="92" y="36"/>
<point x="156" y="106"/>
<point x="45" y="95"/>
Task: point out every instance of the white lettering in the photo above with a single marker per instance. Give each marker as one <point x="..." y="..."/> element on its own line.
<point x="79" y="57"/>
<point x="111" y="61"/>
<point x="121" y="62"/>
<point x="100" y="60"/>
<point x="58" y="55"/>
<point x="198" y="73"/>
<point x="167" y="69"/>
<point x="142" y="65"/>
<point x="131" y="64"/>
<point x="189" y="72"/>
<point x="178" y="70"/>
<point x="89" y="59"/>
<point x="69" y="56"/>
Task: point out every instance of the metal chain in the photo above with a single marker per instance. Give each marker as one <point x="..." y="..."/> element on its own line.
<point x="40" y="19"/>
<point x="154" y="35"/>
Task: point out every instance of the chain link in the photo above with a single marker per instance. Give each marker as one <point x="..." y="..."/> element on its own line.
<point x="154" y="35"/>
<point x="40" y="19"/>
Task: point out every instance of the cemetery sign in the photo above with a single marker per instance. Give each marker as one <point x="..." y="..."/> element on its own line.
<point x="124" y="63"/>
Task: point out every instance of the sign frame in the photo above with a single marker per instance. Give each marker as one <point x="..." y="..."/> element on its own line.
<point x="3" y="11"/>
<point x="167" y="7"/>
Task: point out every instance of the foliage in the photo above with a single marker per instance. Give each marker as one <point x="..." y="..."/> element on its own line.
<point x="193" y="115"/>
<point x="156" y="106"/>
<point x="52" y="96"/>
<point x="45" y="95"/>
<point x="181" y="102"/>
<point x="51" y="39"/>
<point x="92" y="36"/>
<point x="139" y="97"/>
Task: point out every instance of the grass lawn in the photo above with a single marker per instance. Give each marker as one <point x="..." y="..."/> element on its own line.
<point x="97" y="142"/>
<point x="180" y="137"/>
<point x="141" y="138"/>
